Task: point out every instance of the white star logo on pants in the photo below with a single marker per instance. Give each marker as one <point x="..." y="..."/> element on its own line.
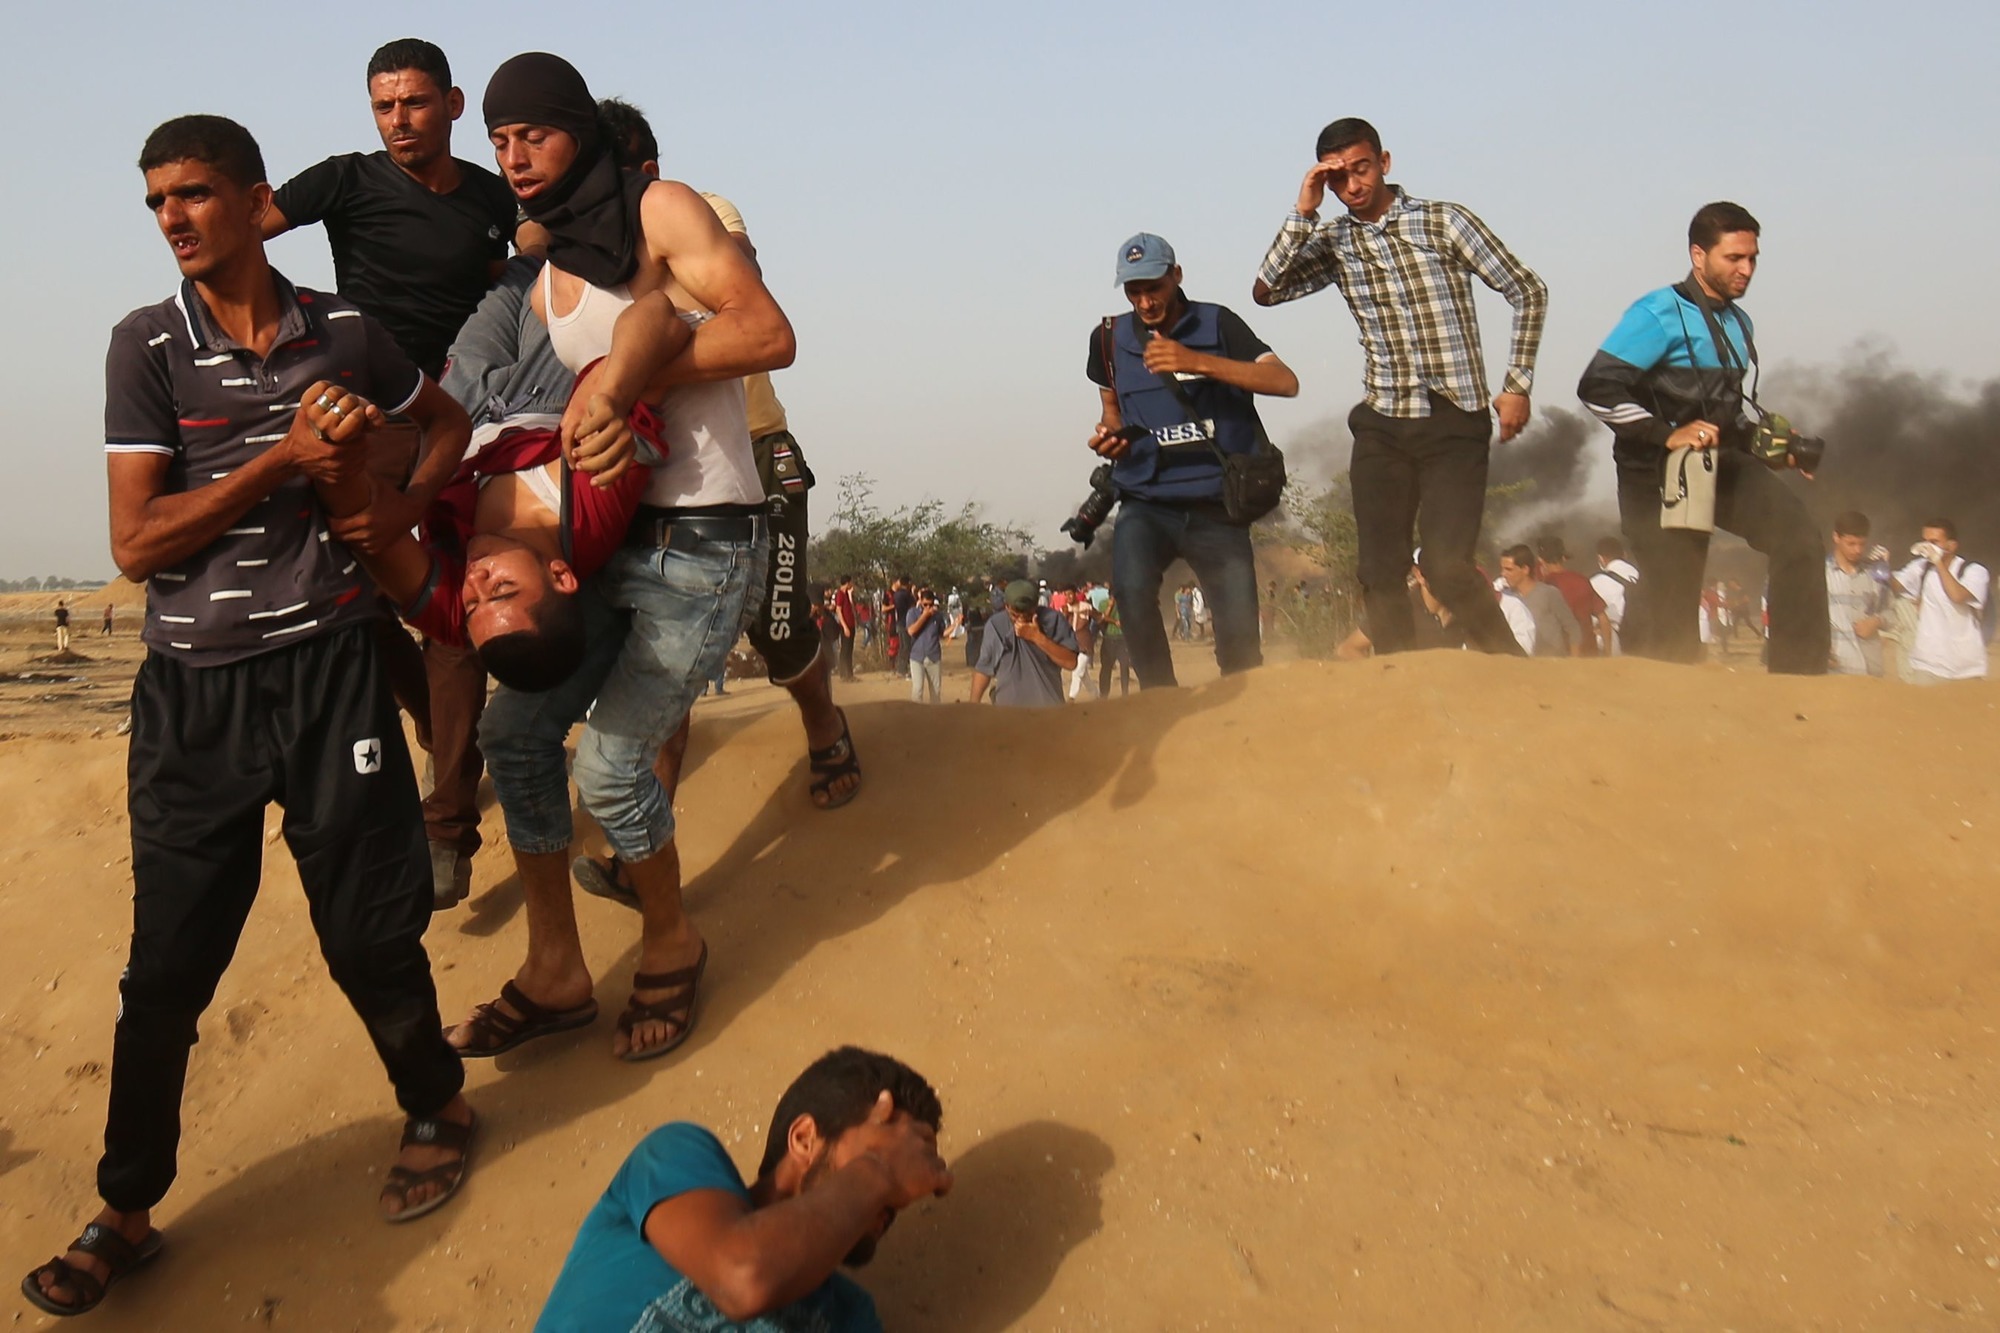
<point x="368" y="755"/>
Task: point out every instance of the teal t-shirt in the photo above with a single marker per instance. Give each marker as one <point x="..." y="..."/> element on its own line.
<point x="614" y="1281"/>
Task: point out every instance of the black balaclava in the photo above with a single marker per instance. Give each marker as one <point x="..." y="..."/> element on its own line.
<point x="592" y="212"/>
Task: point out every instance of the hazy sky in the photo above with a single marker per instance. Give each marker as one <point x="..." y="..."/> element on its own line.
<point x="937" y="193"/>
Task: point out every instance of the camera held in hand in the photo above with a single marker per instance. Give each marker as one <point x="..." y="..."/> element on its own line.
<point x="1096" y="507"/>
<point x="1778" y="445"/>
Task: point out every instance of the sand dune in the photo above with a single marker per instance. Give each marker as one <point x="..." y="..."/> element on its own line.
<point x="1434" y="993"/>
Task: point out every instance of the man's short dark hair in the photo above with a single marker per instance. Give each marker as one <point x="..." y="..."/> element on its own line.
<point x="215" y="141"/>
<point x="1345" y="133"/>
<point x="1717" y="220"/>
<point x="1520" y="554"/>
<point x="540" y="658"/>
<point x="1611" y="548"/>
<point x="1853" y="523"/>
<point x="626" y="128"/>
<point x="1551" y="549"/>
<point x="1944" y="525"/>
<point x="839" y="1089"/>
<point x="411" y="53"/>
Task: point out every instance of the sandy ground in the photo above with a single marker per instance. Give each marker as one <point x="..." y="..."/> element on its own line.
<point x="1434" y="993"/>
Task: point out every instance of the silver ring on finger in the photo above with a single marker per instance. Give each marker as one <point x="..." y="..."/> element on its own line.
<point x="337" y="411"/>
<point x="324" y="401"/>
<point x="320" y="433"/>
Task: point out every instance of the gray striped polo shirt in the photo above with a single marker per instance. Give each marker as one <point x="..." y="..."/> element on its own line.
<point x="178" y="386"/>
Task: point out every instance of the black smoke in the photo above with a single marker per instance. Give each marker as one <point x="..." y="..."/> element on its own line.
<point x="1902" y="446"/>
<point x="1549" y="461"/>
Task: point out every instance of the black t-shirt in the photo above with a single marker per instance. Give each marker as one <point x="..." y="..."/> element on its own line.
<point x="1238" y="344"/>
<point x="62" y="615"/>
<point x="416" y="261"/>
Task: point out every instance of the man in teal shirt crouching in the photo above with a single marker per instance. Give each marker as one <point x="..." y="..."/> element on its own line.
<point x="678" y="1244"/>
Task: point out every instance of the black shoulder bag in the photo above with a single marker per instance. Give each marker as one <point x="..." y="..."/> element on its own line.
<point x="1252" y="483"/>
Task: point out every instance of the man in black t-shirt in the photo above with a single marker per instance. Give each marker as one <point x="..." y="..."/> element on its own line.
<point x="418" y="238"/>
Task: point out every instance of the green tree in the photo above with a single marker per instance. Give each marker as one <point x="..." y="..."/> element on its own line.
<point x="945" y="549"/>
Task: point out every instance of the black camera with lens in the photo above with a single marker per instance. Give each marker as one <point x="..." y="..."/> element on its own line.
<point x="1777" y="444"/>
<point x="1096" y="507"/>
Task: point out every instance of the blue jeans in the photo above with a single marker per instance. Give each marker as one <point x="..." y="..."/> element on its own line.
<point x="660" y="624"/>
<point x="1147" y="538"/>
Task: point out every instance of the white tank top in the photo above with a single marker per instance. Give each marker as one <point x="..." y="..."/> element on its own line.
<point x="706" y="427"/>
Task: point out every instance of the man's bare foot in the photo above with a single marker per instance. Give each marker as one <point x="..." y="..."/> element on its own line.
<point x="661" y="1016"/>
<point x="419" y="1158"/>
<point x="557" y="990"/>
<point x="133" y="1228"/>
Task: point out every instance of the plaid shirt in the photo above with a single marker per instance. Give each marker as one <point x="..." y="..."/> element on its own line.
<point x="1407" y="278"/>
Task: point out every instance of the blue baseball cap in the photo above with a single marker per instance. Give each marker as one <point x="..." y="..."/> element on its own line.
<point x="1144" y="258"/>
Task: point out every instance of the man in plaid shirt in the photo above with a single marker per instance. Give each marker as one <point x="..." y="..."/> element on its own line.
<point x="1421" y="434"/>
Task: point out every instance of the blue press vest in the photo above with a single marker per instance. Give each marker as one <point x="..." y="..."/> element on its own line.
<point x="1188" y="470"/>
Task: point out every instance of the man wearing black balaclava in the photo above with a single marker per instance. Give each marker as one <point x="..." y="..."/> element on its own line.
<point x="624" y="255"/>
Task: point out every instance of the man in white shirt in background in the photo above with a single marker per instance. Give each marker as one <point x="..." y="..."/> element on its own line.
<point x="1950" y="642"/>
<point x="1614" y="580"/>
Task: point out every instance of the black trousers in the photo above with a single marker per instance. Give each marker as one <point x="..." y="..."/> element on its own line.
<point x="784" y="632"/>
<point x="1662" y="612"/>
<point x="312" y="727"/>
<point x="1428" y="475"/>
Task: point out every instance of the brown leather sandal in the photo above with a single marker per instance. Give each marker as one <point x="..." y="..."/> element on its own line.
<point x="677" y="1008"/>
<point x="496" y="1032"/>
<point x="432" y="1132"/>
<point x="120" y="1257"/>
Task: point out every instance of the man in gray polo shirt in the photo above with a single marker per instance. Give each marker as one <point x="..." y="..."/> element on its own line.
<point x="1857" y="599"/>
<point x="1025" y="652"/>
<point x="261" y="683"/>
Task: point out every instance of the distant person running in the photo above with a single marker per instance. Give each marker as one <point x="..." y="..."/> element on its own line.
<point x="104" y="630"/>
<point x="262" y="683"/>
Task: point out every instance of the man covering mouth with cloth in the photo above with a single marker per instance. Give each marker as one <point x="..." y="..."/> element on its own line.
<point x="624" y="255"/>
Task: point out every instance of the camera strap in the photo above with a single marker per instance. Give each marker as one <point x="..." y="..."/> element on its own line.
<point x="1725" y="350"/>
<point x="1206" y="427"/>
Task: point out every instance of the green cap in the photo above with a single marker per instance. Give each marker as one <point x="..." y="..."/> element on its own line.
<point x="1022" y="596"/>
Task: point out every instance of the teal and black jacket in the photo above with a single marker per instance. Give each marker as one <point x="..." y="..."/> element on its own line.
<point x="1661" y="369"/>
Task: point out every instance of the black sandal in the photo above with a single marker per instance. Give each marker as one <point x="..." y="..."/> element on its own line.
<point x="677" y="1008"/>
<point x="433" y="1132"/>
<point x="830" y="765"/>
<point x="604" y="879"/>
<point x="496" y="1032"/>
<point x="120" y="1258"/>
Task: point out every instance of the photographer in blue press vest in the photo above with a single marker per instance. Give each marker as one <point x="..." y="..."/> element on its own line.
<point x="1676" y="383"/>
<point x="1178" y="379"/>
